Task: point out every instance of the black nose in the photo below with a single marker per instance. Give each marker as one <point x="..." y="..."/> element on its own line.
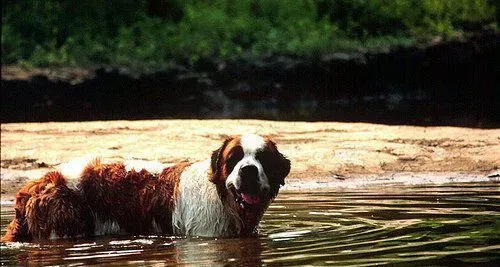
<point x="249" y="179"/>
<point x="249" y="172"/>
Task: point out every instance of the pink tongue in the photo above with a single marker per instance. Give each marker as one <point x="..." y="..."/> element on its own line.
<point x="250" y="199"/>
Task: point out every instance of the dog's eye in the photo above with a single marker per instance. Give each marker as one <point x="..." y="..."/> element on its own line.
<point x="233" y="157"/>
<point x="231" y="162"/>
<point x="270" y="165"/>
<point x="266" y="160"/>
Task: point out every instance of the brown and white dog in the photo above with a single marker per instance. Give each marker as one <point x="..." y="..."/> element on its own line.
<point x="220" y="197"/>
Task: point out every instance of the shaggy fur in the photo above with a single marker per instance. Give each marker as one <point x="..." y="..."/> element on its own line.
<point x="222" y="196"/>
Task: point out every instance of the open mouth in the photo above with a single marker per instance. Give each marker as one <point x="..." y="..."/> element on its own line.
<point x="244" y="199"/>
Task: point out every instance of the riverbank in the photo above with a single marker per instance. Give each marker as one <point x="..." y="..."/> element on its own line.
<point x="320" y="152"/>
<point x="444" y="84"/>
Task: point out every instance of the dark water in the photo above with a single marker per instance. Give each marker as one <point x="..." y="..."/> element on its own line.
<point x="457" y="225"/>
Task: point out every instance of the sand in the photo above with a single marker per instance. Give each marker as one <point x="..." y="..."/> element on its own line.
<point x="331" y="153"/>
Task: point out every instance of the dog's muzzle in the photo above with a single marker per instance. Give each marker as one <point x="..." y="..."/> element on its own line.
<point x="249" y="192"/>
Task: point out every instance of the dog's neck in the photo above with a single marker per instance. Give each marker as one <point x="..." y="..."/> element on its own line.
<point x="199" y="211"/>
<point x="207" y="209"/>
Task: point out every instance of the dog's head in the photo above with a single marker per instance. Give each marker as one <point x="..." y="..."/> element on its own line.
<point x="250" y="169"/>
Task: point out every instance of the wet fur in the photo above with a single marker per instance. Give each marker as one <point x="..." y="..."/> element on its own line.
<point x="47" y="207"/>
<point x="184" y="199"/>
<point x="108" y="200"/>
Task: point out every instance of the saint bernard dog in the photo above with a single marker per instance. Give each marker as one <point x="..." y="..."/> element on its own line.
<point x="224" y="196"/>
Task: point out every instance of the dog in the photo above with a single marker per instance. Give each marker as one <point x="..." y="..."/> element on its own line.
<point x="223" y="196"/>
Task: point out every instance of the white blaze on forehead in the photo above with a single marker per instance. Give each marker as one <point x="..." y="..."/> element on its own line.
<point x="252" y="143"/>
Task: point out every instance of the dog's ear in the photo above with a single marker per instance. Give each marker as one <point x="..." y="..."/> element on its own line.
<point x="216" y="162"/>
<point x="278" y="168"/>
<point x="281" y="165"/>
<point x="283" y="168"/>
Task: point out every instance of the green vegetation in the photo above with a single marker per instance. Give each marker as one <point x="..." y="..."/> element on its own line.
<point x="150" y="33"/>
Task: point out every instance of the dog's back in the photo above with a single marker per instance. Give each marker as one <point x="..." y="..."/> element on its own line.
<point x="107" y="200"/>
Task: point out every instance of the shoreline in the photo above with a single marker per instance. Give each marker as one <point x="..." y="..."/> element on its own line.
<point x="322" y="153"/>
<point x="392" y="179"/>
<point x="447" y="83"/>
<point x="328" y="183"/>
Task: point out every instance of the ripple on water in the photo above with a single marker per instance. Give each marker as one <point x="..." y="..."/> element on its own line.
<point x="393" y="225"/>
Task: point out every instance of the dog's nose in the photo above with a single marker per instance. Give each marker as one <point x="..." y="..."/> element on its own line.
<point x="249" y="179"/>
<point x="249" y="172"/>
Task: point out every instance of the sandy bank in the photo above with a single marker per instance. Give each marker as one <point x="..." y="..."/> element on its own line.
<point x="322" y="152"/>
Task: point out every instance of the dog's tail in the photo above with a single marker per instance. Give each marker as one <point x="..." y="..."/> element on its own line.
<point x="47" y="208"/>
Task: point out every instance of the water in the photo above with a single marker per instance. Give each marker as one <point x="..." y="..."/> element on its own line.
<point x="454" y="224"/>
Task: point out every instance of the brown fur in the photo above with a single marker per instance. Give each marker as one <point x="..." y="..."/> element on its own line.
<point x="108" y="191"/>
<point x="231" y="147"/>
<point x="276" y="166"/>
<point x="223" y="161"/>
<point x="48" y="206"/>
<point x="133" y="199"/>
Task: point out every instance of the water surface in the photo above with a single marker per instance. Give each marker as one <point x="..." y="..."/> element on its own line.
<point x="454" y="224"/>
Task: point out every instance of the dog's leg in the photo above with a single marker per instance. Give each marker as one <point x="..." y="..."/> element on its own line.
<point x="17" y="230"/>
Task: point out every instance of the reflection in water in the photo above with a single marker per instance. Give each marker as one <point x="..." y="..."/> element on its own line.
<point x="432" y="225"/>
<point x="143" y="250"/>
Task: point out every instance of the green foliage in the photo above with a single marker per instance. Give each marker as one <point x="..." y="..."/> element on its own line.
<point x="361" y="18"/>
<point x="447" y="17"/>
<point x="150" y="33"/>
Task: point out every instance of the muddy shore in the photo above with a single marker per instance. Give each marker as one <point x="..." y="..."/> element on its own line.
<point x="451" y="83"/>
<point x="332" y="153"/>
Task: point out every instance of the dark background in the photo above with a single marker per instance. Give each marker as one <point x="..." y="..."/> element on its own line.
<point x="420" y="62"/>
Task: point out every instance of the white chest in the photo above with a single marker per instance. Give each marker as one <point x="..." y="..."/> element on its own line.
<point x="198" y="210"/>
